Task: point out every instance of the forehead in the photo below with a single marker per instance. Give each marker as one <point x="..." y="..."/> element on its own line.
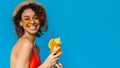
<point x="28" y="12"/>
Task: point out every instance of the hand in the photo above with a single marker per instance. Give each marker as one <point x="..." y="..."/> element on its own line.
<point x="52" y="59"/>
<point x="58" y="65"/>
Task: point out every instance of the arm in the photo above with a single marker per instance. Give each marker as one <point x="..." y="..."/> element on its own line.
<point x="24" y="55"/>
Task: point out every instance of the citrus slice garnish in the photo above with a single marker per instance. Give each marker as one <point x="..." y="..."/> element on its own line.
<point x="51" y="43"/>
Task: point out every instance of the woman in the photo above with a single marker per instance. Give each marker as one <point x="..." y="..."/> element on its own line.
<point x="29" y="19"/>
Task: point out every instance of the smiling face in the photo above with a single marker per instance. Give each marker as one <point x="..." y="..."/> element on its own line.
<point x="30" y="21"/>
<point x="30" y="17"/>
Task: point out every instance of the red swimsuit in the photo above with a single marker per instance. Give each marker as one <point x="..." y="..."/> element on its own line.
<point x="35" y="60"/>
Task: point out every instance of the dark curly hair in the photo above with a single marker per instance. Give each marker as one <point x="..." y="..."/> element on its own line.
<point x="39" y="10"/>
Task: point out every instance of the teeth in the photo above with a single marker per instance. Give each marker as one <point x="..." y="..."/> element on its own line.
<point x="32" y="27"/>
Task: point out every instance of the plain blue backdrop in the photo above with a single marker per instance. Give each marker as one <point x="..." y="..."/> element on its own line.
<point x="89" y="29"/>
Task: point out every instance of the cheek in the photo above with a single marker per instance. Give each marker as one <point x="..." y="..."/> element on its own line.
<point x="27" y="22"/>
<point x="37" y="21"/>
<point x="38" y="26"/>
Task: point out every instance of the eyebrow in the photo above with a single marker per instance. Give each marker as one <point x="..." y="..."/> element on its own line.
<point x="26" y="16"/>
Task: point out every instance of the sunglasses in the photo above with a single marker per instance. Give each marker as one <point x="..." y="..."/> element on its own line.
<point x="27" y="20"/>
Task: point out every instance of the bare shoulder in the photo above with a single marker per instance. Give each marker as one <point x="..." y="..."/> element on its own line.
<point x="22" y="44"/>
<point x="21" y="52"/>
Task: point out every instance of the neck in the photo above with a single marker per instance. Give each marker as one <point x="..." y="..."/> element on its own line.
<point x="30" y="37"/>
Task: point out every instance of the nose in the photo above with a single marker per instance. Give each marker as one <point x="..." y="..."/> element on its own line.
<point x="32" y="22"/>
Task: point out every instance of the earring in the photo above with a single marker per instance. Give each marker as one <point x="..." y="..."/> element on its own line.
<point x="20" y="24"/>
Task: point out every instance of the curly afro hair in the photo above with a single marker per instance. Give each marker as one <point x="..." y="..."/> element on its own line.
<point x="39" y="11"/>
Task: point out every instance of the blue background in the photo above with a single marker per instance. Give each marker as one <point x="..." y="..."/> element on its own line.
<point x="89" y="29"/>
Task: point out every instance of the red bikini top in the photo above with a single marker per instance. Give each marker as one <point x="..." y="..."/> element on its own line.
<point x="35" y="60"/>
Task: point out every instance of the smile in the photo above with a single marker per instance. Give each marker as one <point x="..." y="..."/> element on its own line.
<point x="33" y="27"/>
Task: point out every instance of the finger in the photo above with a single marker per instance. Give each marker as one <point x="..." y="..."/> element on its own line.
<point x="57" y="55"/>
<point x="52" y="67"/>
<point x="55" y="60"/>
<point x="54" y="52"/>
<point x="58" y="66"/>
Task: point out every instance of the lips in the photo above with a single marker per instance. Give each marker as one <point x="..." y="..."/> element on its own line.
<point x="33" y="27"/>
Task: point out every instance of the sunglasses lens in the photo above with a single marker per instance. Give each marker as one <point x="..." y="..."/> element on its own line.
<point x="36" y="20"/>
<point x="27" y="21"/>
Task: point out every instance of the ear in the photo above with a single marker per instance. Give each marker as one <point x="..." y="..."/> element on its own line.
<point x="20" y="23"/>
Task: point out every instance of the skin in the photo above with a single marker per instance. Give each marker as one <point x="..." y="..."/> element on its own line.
<point x="21" y="52"/>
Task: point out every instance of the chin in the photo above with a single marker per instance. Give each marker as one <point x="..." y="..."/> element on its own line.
<point x="32" y="32"/>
